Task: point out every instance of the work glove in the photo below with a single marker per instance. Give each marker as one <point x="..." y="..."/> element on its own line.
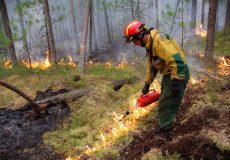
<point x="145" y="89"/>
<point x="175" y="87"/>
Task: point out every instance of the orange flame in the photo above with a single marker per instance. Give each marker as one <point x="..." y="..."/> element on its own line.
<point x="121" y="129"/>
<point x="8" y="64"/>
<point x="224" y="67"/>
<point x="193" y="81"/>
<point x="123" y="64"/>
<point x="42" y="64"/>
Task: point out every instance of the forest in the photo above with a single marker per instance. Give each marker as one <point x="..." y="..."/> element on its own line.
<point x="114" y="79"/>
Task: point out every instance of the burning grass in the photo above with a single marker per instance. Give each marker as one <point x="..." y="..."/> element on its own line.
<point x="94" y="128"/>
<point x="88" y="114"/>
<point x="91" y="129"/>
<point x="95" y="112"/>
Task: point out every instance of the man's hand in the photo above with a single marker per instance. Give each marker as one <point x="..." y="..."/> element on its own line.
<point x="175" y="87"/>
<point x="145" y="89"/>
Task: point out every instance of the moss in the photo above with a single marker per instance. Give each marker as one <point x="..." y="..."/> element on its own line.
<point x="156" y="154"/>
<point x="220" y="139"/>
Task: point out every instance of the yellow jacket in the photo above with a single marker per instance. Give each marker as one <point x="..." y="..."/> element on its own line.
<point x="166" y="56"/>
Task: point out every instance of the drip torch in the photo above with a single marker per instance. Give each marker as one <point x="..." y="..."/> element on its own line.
<point x="145" y="100"/>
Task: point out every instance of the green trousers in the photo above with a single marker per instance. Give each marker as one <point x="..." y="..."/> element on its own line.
<point x="168" y="103"/>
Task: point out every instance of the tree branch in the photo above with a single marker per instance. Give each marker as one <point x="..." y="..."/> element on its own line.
<point x="35" y="106"/>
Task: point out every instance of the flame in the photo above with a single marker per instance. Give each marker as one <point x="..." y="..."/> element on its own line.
<point x="37" y="64"/>
<point x="108" y="64"/>
<point x="223" y="61"/>
<point x="224" y="67"/>
<point x="77" y="158"/>
<point x="200" y="31"/>
<point x="193" y="81"/>
<point x="123" y="64"/>
<point x="8" y="64"/>
<point x="43" y="64"/>
<point x="121" y="127"/>
<point x="103" y="139"/>
<point x="69" y="63"/>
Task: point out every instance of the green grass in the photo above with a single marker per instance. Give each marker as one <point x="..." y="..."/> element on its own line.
<point x="89" y="116"/>
<point x="31" y="80"/>
<point x="222" y="44"/>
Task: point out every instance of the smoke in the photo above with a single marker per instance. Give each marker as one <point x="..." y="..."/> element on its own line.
<point x="118" y="17"/>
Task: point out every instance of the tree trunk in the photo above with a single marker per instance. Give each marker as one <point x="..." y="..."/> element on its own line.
<point x="79" y="12"/>
<point x="59" y="27"/>
<point x="211" y="30"/>
<point x="132" y="12"/>
<point x="227" y="19"/>
<point x="193" y="15"/>
<point x="84" y="39"/>
<point x="138" y="10"/>
<point x="50" y="32"/>
<point x="1" y="24"/>
<point x="202" y="12"/>
<point x="90" y="29"/>
<point x="107" y="24"/>
<point x="6" y="23"/>
<point x="65" y="21"/>
<point x="47" y="37"/>
<point x="217" y="10"/>
<point x="75" y="30"/>
<point x="23" y="32"/>
<point x="94" y="27"/>
<point x="62" y="25"/>
<point x="173" y="20"/>
<point x="157" y="14"/>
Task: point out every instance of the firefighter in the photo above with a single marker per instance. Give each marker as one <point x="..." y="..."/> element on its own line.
<point x="163" y="55"/>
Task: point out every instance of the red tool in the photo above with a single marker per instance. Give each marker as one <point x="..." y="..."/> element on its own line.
<point x="147" y="99"/>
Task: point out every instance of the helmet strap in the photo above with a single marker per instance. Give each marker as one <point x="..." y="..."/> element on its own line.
<point x="141" y="38"/>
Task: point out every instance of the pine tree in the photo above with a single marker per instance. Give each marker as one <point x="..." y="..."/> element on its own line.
<point x="211" y="30"/>
<point x="227" y="19"/>
<point x="50" y="31"/>
<point x="6" y="23"/>
<point x="84" y="38"/>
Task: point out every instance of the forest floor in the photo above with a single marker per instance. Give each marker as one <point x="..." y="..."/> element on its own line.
<point x="88" y="128"/>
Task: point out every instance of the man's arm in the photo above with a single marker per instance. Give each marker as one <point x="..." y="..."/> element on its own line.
<point x="149" y="78"/>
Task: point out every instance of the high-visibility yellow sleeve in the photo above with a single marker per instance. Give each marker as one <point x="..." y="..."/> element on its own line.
<point x="149" y="79"/>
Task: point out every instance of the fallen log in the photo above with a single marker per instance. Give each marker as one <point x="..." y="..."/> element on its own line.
<point x="206" y="73"/>
<point x="119" y="83"/>
<point x="34" y="106"/>
<point x="72" y="95"/>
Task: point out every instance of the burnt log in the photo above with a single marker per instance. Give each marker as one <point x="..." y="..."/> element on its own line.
<point x="60" y="98"/>
<point x="119" y="83"/>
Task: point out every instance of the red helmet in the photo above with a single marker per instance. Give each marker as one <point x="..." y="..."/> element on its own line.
<point x="133" y="28"/>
